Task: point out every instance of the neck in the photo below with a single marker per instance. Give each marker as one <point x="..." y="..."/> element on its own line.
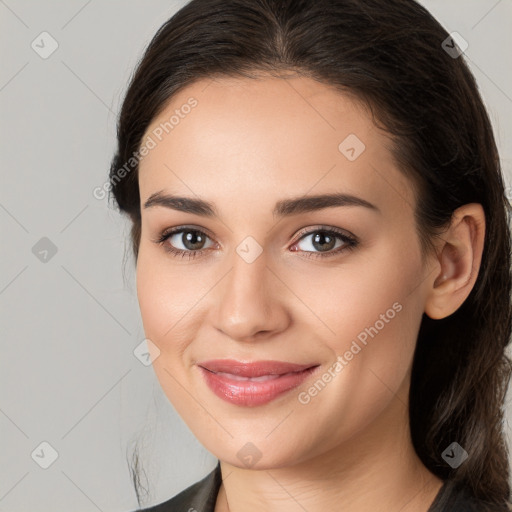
<point x="376" y="469"/>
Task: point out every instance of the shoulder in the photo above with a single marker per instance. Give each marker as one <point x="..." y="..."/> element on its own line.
<point x="454" y="498"/>
<point x="199" y="497"/>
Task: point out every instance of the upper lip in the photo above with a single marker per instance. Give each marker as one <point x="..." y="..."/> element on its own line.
<point x="253" y="368"/>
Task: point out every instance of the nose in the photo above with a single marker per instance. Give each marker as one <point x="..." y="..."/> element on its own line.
<point x="250" y="301"/>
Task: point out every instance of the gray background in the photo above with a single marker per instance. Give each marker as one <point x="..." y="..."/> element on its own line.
<point x="70" y="323"/>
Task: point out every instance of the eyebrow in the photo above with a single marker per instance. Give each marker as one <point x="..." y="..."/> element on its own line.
<point x="285" y="207"/>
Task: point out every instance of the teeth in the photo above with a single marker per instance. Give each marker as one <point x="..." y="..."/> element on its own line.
<point x="255" y="379"/>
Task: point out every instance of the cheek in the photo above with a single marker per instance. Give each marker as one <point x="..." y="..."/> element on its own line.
<point x="363" y="294"/>
<point x="369" y="313"/>
<point x="166" y="294"/>
<point x="164" y="302"/>
<point x="376" y="320"/>
<point x="152" y="297"/>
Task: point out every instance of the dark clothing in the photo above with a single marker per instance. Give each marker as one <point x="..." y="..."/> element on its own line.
<point x="202" y="496"/>
<point x="199" y="497"/>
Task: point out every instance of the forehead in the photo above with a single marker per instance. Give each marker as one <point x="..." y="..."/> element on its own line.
<point x="265" y="137"/>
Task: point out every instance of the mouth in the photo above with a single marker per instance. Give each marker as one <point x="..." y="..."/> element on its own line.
<point x="253" y="383"/>
<point x="253" y="368"/>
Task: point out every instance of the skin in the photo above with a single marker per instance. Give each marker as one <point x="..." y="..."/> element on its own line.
<point x="247" y="145"/>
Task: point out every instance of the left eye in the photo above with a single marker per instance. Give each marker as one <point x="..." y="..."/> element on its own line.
<point x="324" y="241"/>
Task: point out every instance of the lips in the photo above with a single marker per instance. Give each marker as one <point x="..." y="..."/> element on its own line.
<point x="253" y="383"/>
<point x="253" y="369"/>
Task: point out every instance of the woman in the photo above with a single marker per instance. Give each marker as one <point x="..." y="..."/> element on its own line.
<point x="323" y="255"/>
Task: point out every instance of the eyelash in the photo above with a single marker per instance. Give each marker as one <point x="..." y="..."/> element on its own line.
<point x="350" y="242"/>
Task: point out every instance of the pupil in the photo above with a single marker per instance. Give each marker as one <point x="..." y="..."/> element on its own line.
<point x="192" y="240"/>
<point x="323" y="241"/>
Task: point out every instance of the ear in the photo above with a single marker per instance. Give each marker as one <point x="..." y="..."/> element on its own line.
<point x="458" y="258"/>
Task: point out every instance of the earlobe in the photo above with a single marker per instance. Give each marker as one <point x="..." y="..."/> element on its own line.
<point x="459" y="260"/>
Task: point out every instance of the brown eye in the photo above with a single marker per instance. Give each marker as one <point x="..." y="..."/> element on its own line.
<point x="192" y="240"/>
<point x="185" y="242"/>
<point x="325" y="241"/>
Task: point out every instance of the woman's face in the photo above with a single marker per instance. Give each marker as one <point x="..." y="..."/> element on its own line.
<point x="269" y="280"/>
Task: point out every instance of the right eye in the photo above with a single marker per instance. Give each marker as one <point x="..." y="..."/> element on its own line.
<point x="182" y="241"/>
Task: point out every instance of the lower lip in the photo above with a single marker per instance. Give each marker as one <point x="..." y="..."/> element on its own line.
<point x="250" y="393"/>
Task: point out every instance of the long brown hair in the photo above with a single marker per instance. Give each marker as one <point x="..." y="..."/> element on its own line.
<point x="390" y="55"/>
